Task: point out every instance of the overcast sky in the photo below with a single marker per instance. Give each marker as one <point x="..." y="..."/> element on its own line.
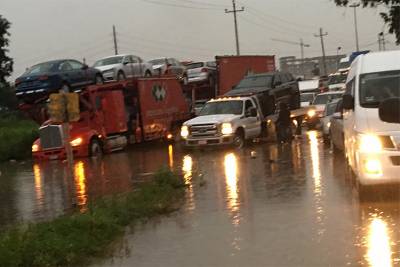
<point x="185" y="29"/>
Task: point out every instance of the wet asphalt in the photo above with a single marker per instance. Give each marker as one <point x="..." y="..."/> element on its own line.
<point x="265" y="205"/>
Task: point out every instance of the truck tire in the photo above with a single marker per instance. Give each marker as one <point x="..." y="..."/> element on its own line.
<point x="238" y="140"/>
<point x="95" y="150"/>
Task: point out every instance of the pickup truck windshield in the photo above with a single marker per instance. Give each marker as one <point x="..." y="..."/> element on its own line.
<point x="376" y="87"/>
<point x="255" y="81"/>
<point x="223" y="107"/>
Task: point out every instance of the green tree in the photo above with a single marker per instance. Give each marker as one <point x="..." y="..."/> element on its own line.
<point x="6" y="63"/>
<point x="7" y="96"/>
<point x="391" y="17"/>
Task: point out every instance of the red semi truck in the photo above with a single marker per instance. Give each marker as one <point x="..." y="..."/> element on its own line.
<point x="116" y="114"/>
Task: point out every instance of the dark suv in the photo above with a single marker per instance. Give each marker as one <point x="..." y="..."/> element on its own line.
<point x="271" y="88"/>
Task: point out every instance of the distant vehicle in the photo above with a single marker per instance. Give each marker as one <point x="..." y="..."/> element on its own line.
<point x="314" y="115"/>
<point x="66" y="75"/>
<point x="224" y="121"/>
<point x="371" y="144"/>
<point x="306" y="99"/>
<point x="272" y="88"/>
<point x="330" y="109"/>
<point x="337" y="82"/>
<point x="309" y="86"/>
<point x="120" y="67"/>
<point x="344" y="65"/>
<point x="202" y="72"/>
<point x="170" y="66"/>
<point x="336" y="131"/>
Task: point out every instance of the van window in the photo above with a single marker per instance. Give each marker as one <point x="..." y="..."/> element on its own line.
<point x="376" y="87"/>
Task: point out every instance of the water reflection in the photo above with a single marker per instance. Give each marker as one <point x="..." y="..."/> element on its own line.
<point x="80" y="184"/>
<point x="38" y="184"/>
<point x="187" y="169"/>
<point x="316" y="173"/>
<point x="379" y="246"/>
<point x="171" y="156"/>
<point x="231" y="171"/>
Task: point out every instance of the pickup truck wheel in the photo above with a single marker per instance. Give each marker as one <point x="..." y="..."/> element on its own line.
<point x="95" y="150"/>
<point x="238" y="140"/>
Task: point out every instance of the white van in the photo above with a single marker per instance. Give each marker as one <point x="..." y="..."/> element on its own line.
<point x="372" y="147"/>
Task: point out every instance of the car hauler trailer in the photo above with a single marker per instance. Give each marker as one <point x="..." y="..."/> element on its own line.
<point x="115" y="115"/>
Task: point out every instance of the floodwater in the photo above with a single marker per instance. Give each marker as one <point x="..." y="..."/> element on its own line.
<point x="266" y="205"/>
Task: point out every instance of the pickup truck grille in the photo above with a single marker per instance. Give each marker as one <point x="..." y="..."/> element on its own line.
<point x="203" y="130"/>
<point x="50" y="137"/>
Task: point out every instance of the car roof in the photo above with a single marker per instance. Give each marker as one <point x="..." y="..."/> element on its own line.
<point x="122" y="55"/>
<point x="378" y="61"/>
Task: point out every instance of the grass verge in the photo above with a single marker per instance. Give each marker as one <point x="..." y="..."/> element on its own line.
<point x="16" y="137"/>
<point x="74" y="239"/>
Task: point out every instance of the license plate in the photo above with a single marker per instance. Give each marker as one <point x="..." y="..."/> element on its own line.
<point x="52" y="157"/>
<point x="202" y="142"/>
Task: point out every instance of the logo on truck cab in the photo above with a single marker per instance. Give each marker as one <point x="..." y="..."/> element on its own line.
<point x="159" y="92"/>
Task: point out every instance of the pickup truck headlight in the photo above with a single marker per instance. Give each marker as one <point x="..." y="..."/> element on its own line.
<point x="184" y="131"/>
<point x="369" y="143"/>
<point x="226" y="128"/>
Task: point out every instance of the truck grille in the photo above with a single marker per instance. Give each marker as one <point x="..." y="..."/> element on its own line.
<point x="50" y="137"/>
<point x="204" y="130"/>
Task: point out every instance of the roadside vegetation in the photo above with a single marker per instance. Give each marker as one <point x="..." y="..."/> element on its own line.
<point x="16" y="137"/>
<point x="77" y="238"/>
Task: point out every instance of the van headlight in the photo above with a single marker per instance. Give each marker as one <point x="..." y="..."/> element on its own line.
<point x="226" y="128"/>
<point x="184" y="131"/>
<point x="369" y="143"/>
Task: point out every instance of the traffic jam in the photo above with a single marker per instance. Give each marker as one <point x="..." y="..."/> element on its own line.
<point x="314" y="161"/>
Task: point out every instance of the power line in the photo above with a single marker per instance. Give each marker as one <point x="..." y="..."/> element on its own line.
<point x="178" y="5"/>
<point x="235" y="11"/>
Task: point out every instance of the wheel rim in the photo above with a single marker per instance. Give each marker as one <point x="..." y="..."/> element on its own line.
<point x="65" y="89"/>
<point x="95" y="150"/>
<point x="99" y="80"/>
<point x="238" y="141"/>
<point x="121" y="77"/>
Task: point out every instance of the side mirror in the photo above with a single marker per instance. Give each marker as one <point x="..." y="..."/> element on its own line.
<point x="85" y="67"/>
<point x="125" y="63"/>
<point x="251" y="112"/>
<point x="348" y="102"/>
<point x="169" y="65"/>
<point x="389" y="110"/>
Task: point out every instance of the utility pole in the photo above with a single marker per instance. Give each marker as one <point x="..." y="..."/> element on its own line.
<point x="234" y="11"/>
<point x="115" y="40"/>
<point x="354" y="6"/>
<point x="382" y="41"/>
<point x="321" y="35"/>
<point x="379" y="41"/>
<point x="302" y="45"/>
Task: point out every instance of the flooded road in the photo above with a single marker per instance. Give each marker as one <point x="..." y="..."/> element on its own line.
<point x="289" y="205"/>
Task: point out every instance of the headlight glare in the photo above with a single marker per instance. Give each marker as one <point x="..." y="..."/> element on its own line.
<point x="369" y="143"/>
<point x="226" y="128"/>
<point x="35" y="148"/>
<point x="311" y="113"/>
<point x="184" y="131"/>
<point x="76" y="142"/>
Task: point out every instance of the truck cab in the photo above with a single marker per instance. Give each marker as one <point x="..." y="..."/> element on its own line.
<point x="224" y="121"/>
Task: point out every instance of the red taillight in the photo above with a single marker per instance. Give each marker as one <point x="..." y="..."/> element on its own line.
<point x="43" y="78"/>
<point x="204" y="70"/>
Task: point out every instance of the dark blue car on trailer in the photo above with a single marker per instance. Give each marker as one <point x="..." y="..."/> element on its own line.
<point x="67" y="75"/>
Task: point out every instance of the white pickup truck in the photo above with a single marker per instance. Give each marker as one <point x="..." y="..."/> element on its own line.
<point x="224" y="121"/>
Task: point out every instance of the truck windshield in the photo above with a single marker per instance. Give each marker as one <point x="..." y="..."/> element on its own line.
<point x="306" y="97"/>
<point x="376" y="87"/>
<point x="222" y="107"/>
<point x="324" y="99"/>
<point x="108" y="61"/>
<point x="255" y="81"/>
